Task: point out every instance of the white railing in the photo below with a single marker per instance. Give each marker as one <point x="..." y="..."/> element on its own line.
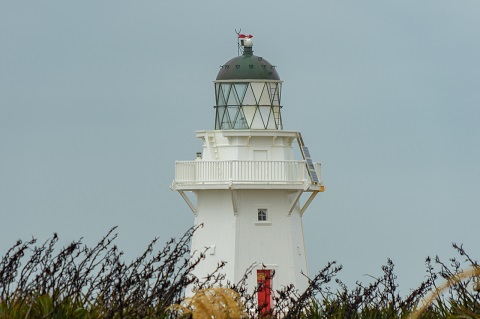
<point x="242" y="171"/>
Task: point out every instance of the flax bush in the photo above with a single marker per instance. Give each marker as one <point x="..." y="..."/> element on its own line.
<point x="76" y="281"/>
<point x="38" y="281"/>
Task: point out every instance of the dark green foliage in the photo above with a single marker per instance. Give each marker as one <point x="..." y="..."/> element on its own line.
<point x="81" y="282"/>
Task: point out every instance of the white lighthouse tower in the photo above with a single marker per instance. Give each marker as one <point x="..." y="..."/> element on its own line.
<point x="246" y="182"/>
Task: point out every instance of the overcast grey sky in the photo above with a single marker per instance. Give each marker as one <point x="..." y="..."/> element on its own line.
<point x="99" y="98"/>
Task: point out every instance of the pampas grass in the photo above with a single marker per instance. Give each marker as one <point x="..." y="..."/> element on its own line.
<point x="473" y="272"/>
<point x="212" y="303"/>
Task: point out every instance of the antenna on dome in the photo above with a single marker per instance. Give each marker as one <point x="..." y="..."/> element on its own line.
<point x="239" y="47"/>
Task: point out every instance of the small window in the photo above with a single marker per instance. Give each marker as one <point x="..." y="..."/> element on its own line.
<point x="262" y="214"/>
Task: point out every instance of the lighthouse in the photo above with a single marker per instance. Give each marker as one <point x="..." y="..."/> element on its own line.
<point x="246" y="187"/>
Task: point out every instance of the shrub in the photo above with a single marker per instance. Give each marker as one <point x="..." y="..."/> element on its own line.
<point x="81" y="282"/>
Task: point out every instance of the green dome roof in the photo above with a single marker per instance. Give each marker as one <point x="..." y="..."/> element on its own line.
<point x="248" y="67"/>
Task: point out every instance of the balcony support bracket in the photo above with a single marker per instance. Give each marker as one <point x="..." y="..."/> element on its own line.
<point x="294" y="203"/>
<point x="307" y="203"/>
<point x="234" y="201"/>
<point x="189" y="202"/>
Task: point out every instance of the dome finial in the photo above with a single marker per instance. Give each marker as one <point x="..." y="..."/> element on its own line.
<point x="245" y="40"/>
<point x="245" y="44"/>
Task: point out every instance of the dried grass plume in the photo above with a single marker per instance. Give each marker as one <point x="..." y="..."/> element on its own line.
<point x="218" y="303"/>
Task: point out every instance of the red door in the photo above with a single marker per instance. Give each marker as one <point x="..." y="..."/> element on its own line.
<point x="264" y="282"/>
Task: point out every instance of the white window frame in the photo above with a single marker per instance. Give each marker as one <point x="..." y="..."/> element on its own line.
<point x="262" y="215"/>
<point x="265" y="222"/>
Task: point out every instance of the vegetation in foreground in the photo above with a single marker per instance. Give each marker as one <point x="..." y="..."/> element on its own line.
<point x="43" y="281"/>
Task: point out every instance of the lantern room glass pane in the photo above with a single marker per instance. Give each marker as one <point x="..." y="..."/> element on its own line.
<point x="217" y="91"/>
<point x="226" y="91"/>
<point x="249" y="98"/>
<point x="279" y="94"/>
<point x="258" y="90"/>
<point x="248" y="113"/>
<point x="257" y="122"/>
<point x="221" y="98"/>
<point x="239" y="121"/>
<point x="271" y="123"/>
<point x="219" y="117"/>
<point x="265" y="98"/>
<point x="265" y="112"/>
<point x="232" y="98"/>
<point x="226" y="122"/>
<point x="241" y="88"/>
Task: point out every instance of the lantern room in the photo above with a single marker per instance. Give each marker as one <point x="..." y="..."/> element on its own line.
<point x="248" y="92"/>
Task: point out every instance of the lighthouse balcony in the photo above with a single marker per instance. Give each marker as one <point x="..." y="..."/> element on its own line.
<point x="192" y="175"/>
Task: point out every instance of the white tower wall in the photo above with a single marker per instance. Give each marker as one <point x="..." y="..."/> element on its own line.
<point x="242" y="241"/>
<point x="240" y="172"/>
